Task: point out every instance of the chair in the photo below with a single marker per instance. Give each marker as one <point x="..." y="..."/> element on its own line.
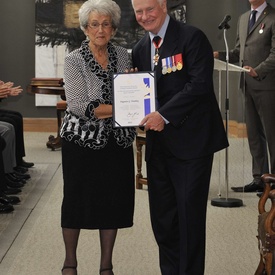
<point x="55" y="142"/>
<point x="266" y="228"/>
<point x="51" y="86"/>
<point x="140" y="141"/>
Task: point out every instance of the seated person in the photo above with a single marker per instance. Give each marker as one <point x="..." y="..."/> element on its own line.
<point x="5" y="201"/>
<point x="15" y="118"/>
<point x="8" y="154"/>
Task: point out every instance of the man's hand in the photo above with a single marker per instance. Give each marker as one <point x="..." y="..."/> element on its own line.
<point x="7" y="89"/>
<point x="216" y="55"/>
<point x="153" y="121"/>
<point x="14" y="91"/>
<point x="251" y="72"/>
<point x="132" y="70"/>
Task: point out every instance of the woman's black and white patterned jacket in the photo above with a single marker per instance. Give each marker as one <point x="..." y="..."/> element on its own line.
<point x="86" y="86"/>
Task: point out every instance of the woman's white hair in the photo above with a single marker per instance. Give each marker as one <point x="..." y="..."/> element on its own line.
<point x="106" y="7"/>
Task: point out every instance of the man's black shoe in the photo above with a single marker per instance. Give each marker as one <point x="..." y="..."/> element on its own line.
<point x="21" y="169"/>
<point x="6" y="208"/>
<point x="4" y="199"/>
<point x="259" y="194"/>
<point x="20" y="176"/>
<point x="251" y="187"/>
<point x="13" y="184"/>
<point x="12" y="177"/>
<point x="12" y="191"/>
<point x="7" y="190"/>
<point x="26" y="164"/>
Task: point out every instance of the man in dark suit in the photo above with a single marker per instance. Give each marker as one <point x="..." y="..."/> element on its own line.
<point x="5" y="205"/>
<point x="182" y="135"/>
<point x="16" y="119"/>
<point x="255" y="50"/>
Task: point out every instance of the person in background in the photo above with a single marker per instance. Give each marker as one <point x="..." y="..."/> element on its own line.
<point x="16" y="119"/>
<point x="181" y="136"/>
<point x="93" y="151"/>
<point x="8" y="134"/>
<point x="255" y="51"/>
<point x="12" y="178"/>
<point x="5" y="201"/>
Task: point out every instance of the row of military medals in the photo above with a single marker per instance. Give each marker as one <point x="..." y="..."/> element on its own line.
<point x="169" y="64"/>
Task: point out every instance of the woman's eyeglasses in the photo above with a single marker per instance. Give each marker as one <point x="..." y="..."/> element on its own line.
<point x="104" y="25"/>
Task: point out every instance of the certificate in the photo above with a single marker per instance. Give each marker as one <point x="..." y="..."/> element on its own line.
<point x="133" y="97"/>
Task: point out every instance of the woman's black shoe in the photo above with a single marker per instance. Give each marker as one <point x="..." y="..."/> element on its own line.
<point x="102" y="270"/>
<point x="69" y="267"/>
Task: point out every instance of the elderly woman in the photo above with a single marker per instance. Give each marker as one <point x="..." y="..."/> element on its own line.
<point x="94" y="153"/>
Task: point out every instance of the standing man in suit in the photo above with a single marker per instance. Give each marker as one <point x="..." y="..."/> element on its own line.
<point x="182" y="135"/>
<point x="255" y="50"/>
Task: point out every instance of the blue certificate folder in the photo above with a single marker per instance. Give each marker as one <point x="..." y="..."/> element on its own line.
<point x="134" y="97"/>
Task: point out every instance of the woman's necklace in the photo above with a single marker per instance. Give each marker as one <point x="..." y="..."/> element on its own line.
<point x="101" y="58"/>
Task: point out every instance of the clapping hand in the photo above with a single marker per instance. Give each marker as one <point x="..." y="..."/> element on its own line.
<point x="7" y="89"/>
<point x="14" y="91"/>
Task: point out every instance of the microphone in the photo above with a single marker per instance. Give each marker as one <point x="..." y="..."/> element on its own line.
<point x="224" y="22"/>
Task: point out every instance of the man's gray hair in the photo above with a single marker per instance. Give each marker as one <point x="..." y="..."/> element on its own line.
<point x="160" y="2"/>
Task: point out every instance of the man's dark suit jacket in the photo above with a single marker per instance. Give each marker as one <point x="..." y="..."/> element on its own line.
<point x="186" y="97"/>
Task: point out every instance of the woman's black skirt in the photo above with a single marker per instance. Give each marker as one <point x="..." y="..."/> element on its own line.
<point x="98" y="186"/>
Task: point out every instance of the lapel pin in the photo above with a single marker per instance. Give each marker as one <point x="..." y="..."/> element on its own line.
<point x="261" y="29"/>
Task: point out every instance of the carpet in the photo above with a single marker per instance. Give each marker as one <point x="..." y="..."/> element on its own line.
<point x="39" y="247"/>
<point x="231" y="247"/>
<point x="11" y="224"/>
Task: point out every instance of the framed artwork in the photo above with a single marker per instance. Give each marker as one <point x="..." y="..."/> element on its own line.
<point x="58" y="33"/>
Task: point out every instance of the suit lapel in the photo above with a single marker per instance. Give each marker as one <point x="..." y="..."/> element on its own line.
<point x="145" y="52"/>
<point x="245" y="23"/>
<point x="260" y="19"/>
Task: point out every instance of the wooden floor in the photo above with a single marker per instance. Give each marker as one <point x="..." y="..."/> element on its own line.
<point x="40" y="124"/>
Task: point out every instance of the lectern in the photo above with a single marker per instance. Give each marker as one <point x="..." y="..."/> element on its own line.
<point x="221" y="66"/>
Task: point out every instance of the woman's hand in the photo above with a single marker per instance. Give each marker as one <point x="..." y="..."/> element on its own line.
<point x="103" y="111"/>
<point x="132" y="70"/>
